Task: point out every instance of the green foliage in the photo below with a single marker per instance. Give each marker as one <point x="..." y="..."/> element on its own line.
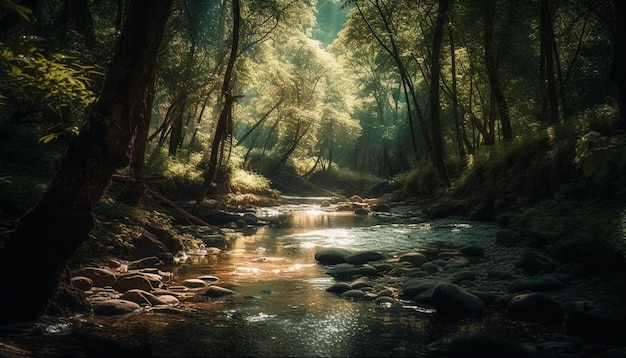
<point x="23" y="11"/>
<point x="56" y="80"/>
<point x="344" y="180"/>
<point x="599" y="155"/>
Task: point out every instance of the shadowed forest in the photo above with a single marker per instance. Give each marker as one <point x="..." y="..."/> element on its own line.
<point x="497" y="111"/>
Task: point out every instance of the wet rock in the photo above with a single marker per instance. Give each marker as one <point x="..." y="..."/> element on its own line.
<point x="100" y="277"/>
<point x="339" y="287"/>
<point x="82" y="283"/>
<point x="250" y="219"/>
<point x="169" y="300"/>
<point x="413" y="287"/>
<point x="461" y="276"/>
<point x="472" y="251"/>
<point x="115" y="307"/>
<point x="416" y="259"/>
<point x="194" y="283"/>
<point x="486" y="345"/>
<point x="362" y="257"/>
<point x="343" y="269"/>
<point x="430" y="267"/>
<point x="383" y="267"/>
<point x="332" y="256"/>
<point x="367" y="270"/>
<point x="535" y="307"/>
<point x="209" y="278"/>
<point x="133" y="281"/>
<point x="218" y="292"/>
<point x="453" y="301"/>
<point x="353" y="294"/>
<point x="141" y="298"/>
<point x="382" y="300"/>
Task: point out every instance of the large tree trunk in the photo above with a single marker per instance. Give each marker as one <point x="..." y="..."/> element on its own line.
<point x="439" y="160"/>
<point x="35" y="255"/>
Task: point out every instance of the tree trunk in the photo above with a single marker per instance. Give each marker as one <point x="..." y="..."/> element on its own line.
<point x="49" y="233"/>
<point x="492" y="72"/>
<point x="435" y="111"/>
<point x="224" y="127"/>
<point x="618" y="74"/>
<point x="134" y="191"/>
<point x="549" y="105"/>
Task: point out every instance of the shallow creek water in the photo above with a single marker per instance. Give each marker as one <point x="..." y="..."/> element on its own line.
<point x="281" y="307"/>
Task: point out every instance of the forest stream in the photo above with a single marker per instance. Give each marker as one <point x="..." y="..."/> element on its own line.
<point x="282" y="306"/>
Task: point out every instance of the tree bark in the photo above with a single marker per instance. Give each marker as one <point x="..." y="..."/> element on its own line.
<point x="224" y="125"/>
<point x="435" y="111"/>
<point x="49" y="233"/>
<point x="618" y="74"/>
<point x="492" y="72"/>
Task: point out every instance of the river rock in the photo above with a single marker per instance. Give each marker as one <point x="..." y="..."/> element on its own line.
<point x="100" y="277"/>
<point x="115" y="307"/>
<point x="416" y="259"/>
<point x="169" y="300"/>
<point x="415" y="286"/>
<point x="132" y="281"/>
<point x="486" y="345"/>
<point x="451" y="300"/>
<point x="194" y="283"/>
<point x="429" y="267"/>
<point x="332" y="256"/>
<point x="339" y="287"/>
<point x="472" y="251"/>
<point x="363" y="257"/>
<point x="535" y="307"/>
<point x="343" y="269"/>
<point x="217" y="292"/>
<point x="353" y="294"/>
<point x="141" y="298"/>
<point x="367" y="270"/>
<point x="82" y="283"/>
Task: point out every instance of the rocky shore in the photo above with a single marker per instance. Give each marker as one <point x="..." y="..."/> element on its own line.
<point x="501" y="276"/>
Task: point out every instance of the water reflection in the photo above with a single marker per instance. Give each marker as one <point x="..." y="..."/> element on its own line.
<point x="281" y="307"/>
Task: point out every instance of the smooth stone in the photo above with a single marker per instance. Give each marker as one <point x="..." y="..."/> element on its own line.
<point x="451" y="300"/>
<point x="115" y="307"/>
<point x="217" y="291"/>
<point x="416" y="259"/>
<point x="194" y="283"/>
<point x="339" y="287"/>
<point x="363" y="257"/>
<point x="535" y="307"/>
<point x="353" y="294"/>
<point x="141" y="298"/>
<point x="134" y="281"/>
<point x="99" y="276"/>
<point x="82" y="283"/>
<point x="332" y="256"/>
